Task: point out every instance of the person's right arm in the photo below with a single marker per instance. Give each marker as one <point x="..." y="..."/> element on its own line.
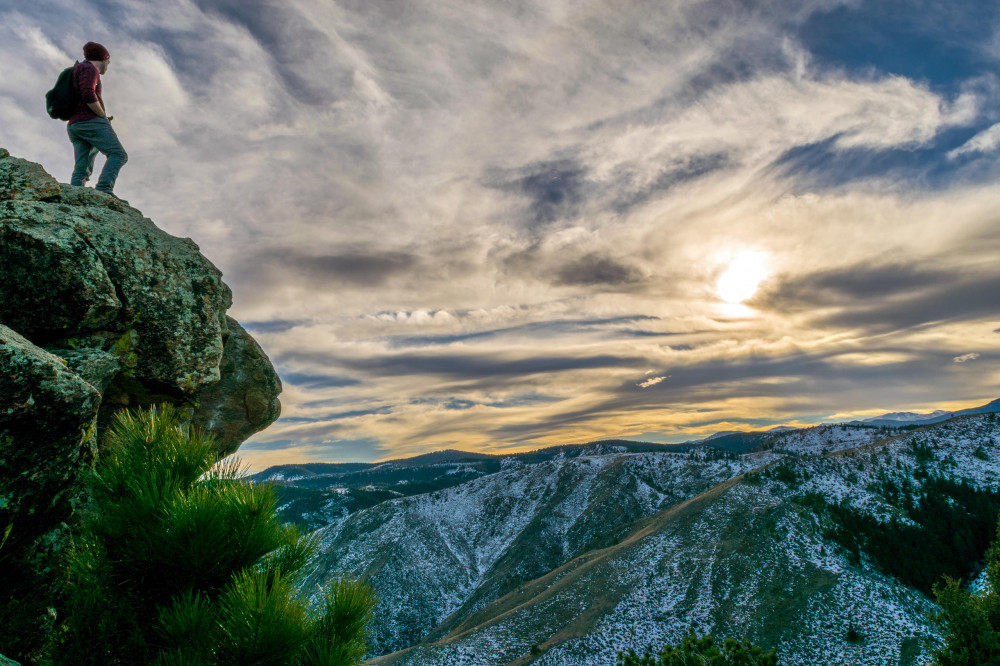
<point x="88" y="91"/>
<point x="98" y="109"/>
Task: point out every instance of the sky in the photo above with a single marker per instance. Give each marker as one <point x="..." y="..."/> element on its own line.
<point x="499" y="225"/>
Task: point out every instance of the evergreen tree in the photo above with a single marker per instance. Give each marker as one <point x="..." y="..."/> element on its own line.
<point x="971" y="622"/>
<point x="702" y="651"/>
<point x="180" y="562"/>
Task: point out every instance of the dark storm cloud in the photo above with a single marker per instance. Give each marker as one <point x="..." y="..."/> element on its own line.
<point x="362" y="267"/>
<point x="595" y="269"/>
<point x="540" y="330"/>
<point x="555" y="190"/>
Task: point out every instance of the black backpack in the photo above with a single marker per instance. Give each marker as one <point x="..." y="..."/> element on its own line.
<point x="62" y="100"/>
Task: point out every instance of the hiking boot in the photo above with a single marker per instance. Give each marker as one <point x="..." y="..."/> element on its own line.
<point x="115" y="196"/>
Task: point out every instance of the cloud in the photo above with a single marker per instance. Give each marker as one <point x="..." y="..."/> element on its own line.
<point x="479" y="366"/>
<point x="680" y="170"/>
<point x="473" y="223"/>
<point x="966" y="357"/>
<point x="317" y="381"/>
<point x="853" y="286"/>
<point x="532" y="331"/>
<point x="361" y="267"/>
<point x="555" y="190"/>
<point x="596" y="270"/>
<point x="652" y="381"/>
<point x="986" y="141"/>
<point x="967" y="299"/>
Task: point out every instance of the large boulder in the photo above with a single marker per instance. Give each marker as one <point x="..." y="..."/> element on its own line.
<point x="136" y="312"/>
<point x="100" y="310"/>
<point x="246" y="394"/>
<point x="87" y="271"/>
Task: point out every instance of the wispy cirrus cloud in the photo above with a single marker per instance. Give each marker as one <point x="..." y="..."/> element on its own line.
<point x="478" y="224"/>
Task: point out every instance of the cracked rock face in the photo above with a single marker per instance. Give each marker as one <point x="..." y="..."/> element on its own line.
<point x="100" y="309"/>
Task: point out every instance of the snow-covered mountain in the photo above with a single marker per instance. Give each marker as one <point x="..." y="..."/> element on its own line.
<point x="447" y="554"/>
<point x="938" y="415"/>
<point x="751" y="556"/>
<point x="911" y="417"/>
<point x="567" y="554"/>
<point x="578" y="553"/>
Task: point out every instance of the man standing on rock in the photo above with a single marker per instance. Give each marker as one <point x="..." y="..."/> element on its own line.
<point x="90" y="126"/>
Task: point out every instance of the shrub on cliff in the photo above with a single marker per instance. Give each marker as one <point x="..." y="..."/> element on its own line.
<point x="696" y="650"/>
<point x="181" y="562"/>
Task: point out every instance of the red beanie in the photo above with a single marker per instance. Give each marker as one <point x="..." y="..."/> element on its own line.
<point x="95" y="51"/>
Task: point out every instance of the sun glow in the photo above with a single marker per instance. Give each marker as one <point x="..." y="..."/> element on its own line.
<point x="740" y="280"/>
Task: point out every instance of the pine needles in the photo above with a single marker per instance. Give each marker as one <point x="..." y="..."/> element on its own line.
<point x="181" y="562"/>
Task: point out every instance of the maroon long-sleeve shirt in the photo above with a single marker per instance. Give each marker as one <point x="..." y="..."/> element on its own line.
<point x="87" y="81"/>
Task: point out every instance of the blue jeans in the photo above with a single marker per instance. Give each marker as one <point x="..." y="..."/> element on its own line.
<point x="90" y="137"/>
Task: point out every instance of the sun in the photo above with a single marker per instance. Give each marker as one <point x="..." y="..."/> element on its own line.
<point x="741" y="278"/>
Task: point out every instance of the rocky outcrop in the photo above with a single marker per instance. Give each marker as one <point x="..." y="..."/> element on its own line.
<point x="246" y="393"/>
<point x="100" y="310"/>
<point x="137" y="313"/>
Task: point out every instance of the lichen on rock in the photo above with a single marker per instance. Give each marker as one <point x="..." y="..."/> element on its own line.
<point x="21" y="179"/>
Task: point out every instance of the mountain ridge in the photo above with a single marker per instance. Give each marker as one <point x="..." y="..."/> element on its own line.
<point x="739" y="550"/>
<point x="718" y="440"/>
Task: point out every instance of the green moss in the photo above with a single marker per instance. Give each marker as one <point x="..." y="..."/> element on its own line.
<point x="188" y="384"/>
<point x="123" y="349"/>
